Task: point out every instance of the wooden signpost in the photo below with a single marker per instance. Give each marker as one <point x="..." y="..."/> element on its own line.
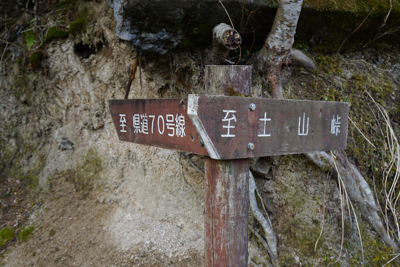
<point x="232" y="127"/>
<point x="230" y="130"/>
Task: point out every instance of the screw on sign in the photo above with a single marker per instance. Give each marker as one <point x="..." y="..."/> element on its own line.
<point x="230" y="130"/>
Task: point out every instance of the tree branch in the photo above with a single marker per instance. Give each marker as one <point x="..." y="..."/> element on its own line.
<point x="225" y="38"/>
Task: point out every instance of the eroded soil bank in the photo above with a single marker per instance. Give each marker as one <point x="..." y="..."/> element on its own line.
<point x="81" y="197"/>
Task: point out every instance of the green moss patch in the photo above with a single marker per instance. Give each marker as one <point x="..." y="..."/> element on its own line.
<point x="66" y="4"/>
<point x="28" y="177"/>
<point x="77" y="27"/>
<point x="52" y="233"/>
<point x="53" y="33"/>
<point x="361" y="6"/>
<point x="376" y="253"/>
<point x="85" y="175"/>
<point x="6" y="234"/>
<point x="25" y="233"/>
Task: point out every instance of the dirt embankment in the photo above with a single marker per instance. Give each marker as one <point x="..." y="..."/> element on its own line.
<point x="85" y="198"/>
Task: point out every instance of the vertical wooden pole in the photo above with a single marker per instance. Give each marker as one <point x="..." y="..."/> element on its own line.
<point x="227" y="210"/>
<point x="227" y="183"/>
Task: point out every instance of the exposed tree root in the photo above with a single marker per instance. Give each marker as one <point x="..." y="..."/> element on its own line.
<point x="276" y="54"/>
<point x="270" y="236"/>
<point x="263" y="242"/>
<point x="357" y="189"/>
<point x="298" y="58"/>
<point x="274" y="69"/>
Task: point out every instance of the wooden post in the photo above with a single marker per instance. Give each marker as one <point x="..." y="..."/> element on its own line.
<point x="227" y="184"/>
<point x="227" y="211"/>
<point x="230" y="130"/>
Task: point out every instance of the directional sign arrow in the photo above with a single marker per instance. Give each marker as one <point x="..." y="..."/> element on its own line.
<point x="240" y="127"/>
<point x="156" y="122"/>
<point x="232" y="127"/>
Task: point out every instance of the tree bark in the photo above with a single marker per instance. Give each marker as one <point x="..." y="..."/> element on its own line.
<point x="277" y="49"/>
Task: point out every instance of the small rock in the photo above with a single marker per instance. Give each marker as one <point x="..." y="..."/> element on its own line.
<point x="97" y="115"/>
<point x="65" y="47"/>
<point x="347" y="74"/>
<point x="262" y="168"/>
<point x="65" y="144"/>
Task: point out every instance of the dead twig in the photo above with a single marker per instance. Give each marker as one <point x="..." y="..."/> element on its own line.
<point x="4" y="51"/>
<point x="248" y="20"/>
<point x="398" y="255"/>
<point x="263" y="242"/>
<point x="233" y="27"/>
<point x="387" y="16"/>
<point x="131" y="77"/>
<point x="383" y="24"/>
<point x="193" y="165"/>
<point x="357" y="27"/>
<point x="265" y="222"/>
<point x="4" y="41"/>
<point x="390" y="31"/>
<point x="361" y="133"/>
<point x="140" y="70"/>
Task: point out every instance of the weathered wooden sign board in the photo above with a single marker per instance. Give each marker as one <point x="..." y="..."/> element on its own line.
<point x="239" y="127"/>
<point x="232" y="127"/>
<point x="156" y="122"/>
<point x="230" y="130"/>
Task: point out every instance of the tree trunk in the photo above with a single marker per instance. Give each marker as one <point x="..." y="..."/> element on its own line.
<point x="277" y="49"/>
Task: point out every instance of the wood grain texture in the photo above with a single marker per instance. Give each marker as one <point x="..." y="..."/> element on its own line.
<point x="227" y="207"/>
<point x="275" y="127"/>
<point x="227" y="183"/>
<point x="161" y="130"/>
<point x="227" y="80"/>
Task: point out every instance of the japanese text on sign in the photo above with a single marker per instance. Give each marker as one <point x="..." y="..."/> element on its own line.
<point x="303" y="127"/>
<point x="170" y="124"/>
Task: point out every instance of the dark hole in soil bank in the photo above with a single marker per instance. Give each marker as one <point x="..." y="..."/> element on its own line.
<point x="84" y="51"/>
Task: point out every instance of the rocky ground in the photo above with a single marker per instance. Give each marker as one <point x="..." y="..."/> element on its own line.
<point x="72" y="229"/>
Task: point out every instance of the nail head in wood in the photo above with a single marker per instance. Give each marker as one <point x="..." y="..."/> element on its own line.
<point x="250" y="146"/>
